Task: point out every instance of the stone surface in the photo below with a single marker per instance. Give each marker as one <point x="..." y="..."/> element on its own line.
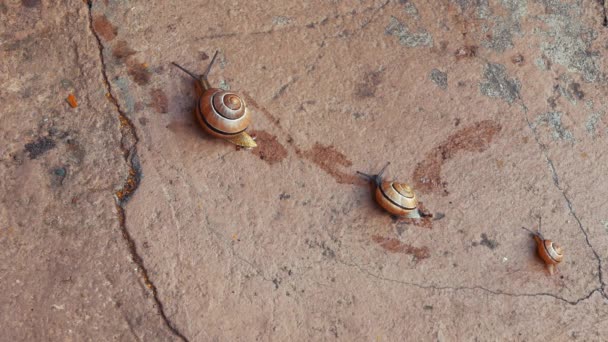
<point x="120" y="219"/>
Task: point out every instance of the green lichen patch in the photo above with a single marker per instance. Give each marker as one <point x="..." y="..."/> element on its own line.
<point x="496" y="83"/>
<point x="593" y="121"/>
<point x="568" y="41"/>
<point x="440" y="78"/>
<point x="406" y="37"/>
<point x="554" y="121"/>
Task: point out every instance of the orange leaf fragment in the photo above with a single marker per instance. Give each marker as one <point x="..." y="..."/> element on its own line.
<point x="72" y="100"/>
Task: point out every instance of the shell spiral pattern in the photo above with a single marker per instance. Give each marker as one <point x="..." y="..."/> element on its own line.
<point x="222" y="114"/>
<point x="396" y="198"/>
<point x="550" y="252"/>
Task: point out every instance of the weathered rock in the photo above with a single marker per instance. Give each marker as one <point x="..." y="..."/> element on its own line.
<point x="121" y="219"/>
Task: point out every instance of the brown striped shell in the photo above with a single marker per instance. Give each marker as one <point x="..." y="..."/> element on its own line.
<point x="396" y="198"/>
<point x="550" y="252"/>
<point x="222" y="113"/>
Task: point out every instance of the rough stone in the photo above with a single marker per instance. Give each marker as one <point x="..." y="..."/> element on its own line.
<point x="120" y="219"/>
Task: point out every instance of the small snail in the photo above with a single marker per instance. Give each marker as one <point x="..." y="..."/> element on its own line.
<point x="396" y="198"/>
<point x="551" y="253"/>
<point x="221" y="113"/>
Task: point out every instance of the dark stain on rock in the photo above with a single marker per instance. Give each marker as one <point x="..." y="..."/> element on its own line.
<point x="139" y="72"/>
<point x="491" y="244"/>
<point x="370" y="83"/>
<point x="326" y="250"/>
<point x="143" y="121"/>
<point x="39" y="147"/>
<point x="441" y="49"/>
<point x="400" y="229"/>
<point x="393" y="245"/>
<point x="575" y="89"/>
<point x="122" y="51"/>
<point x="58" y="175"/>
<point x="546" y="61"/>
<point x="467" y="51"/>
<point x="269" y="148"/>
<point x="104" y="28"/>
<point x="160" y="102"/>
<point x="518" y="59"/>
<point x="30" y="3"/>
<point x="474" y="138"/>
<point x="330" y="160"/>
<point x="552" y="100"/>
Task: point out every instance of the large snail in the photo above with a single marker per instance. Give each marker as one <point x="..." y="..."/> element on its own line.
<point x="396" y="198"/>
<point x="221" y="113"/>
<point x="551" y="253"/>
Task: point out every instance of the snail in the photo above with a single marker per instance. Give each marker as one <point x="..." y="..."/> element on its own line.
<point x="223" y="114"/>
<point x="396" y="198"/>
<point x="551" y="253"/>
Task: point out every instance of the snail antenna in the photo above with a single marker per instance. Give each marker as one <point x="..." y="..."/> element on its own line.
<point x="383" y="169"/>
<point x="206" y="73"/>
<point x="369" y="177"/>
<point x="186" y="71"/>
<point x="524" y="228"/>
<point x="377" y="179"/>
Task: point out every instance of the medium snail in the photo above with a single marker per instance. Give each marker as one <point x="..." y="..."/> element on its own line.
<point x="396" y="198"/>
<point x="221" y="113"/>
<point x="551" y="253"/>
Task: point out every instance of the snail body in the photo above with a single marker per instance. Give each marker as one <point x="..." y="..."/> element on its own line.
<point x="396" y="198"/>
<point x="551" y="252"/>
<point x="222" y="114"/>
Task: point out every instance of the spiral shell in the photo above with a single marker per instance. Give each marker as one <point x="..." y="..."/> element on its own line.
<point x="396" y="198"/>
<point x="222" y="114"/>
<point x="550" y="252"/>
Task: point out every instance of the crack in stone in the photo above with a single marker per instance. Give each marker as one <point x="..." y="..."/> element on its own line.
<point x="554" y="175"/>
<point x="256" y="269"/>
<point x="600" y="289"/>
<point x="128" y="146"/>
<point x="556" y="182"/>
<point x="472" y="288"/>
<point x="284" y="87"/>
